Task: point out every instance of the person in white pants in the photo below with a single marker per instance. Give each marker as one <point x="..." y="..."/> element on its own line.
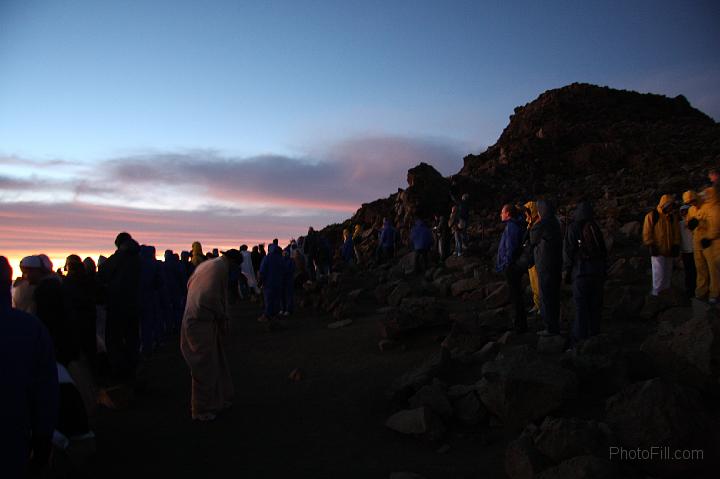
<point x="661" y="234"/>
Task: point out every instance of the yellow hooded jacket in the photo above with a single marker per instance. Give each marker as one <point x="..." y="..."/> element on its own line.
<point x="662" y="231"/>
<point x="197" y="254"/>
<point x="708" y="216"/>
<point x="534" y="215"/>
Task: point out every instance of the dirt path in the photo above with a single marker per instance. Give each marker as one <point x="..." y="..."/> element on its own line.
<point x="331" y="424"/>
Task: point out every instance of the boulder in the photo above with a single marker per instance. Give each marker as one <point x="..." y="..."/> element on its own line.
<point x="382" y="291"/>
<point x="340" y="324"/>
<point x="522" y="458"/>
<point x="551" y="344"/>
<point x="632" y="229"/>
<point x="519" y="387"/>
<point x="420" y="422"/>
<point x="469" y="409"/>
<point x="401" y="291"/>
<point x="434" y="397"/>
<point x="413" y="314"/>
<point x="657" y="412"/>
<point x="564" y="438"/>
<point x="498" y="296"/>
<point x="405" y="386"/>
<point x="465" y="286"/>
<point x="583" y="467"/>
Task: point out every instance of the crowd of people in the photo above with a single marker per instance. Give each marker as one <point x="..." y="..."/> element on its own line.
<point x="67" y="335"/>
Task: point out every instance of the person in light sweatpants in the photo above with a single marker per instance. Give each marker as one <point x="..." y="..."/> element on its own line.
<point x="661" y="235"/>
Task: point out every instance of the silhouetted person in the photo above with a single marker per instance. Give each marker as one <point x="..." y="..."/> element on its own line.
<point x="508" y="262"/>
<point x="29" y="402"/>
<point x="81" y="292"/>
<point x="547" y="243"/>
<point x="121" y="276"/>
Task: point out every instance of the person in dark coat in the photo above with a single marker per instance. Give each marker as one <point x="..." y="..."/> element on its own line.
<point x="348" y="248"/>
<point x="421" y="240"/>
<point x="288" y="289"/>
<point x="585" y="264"/>
<point x="150" y="291"/>
<point x="386" y="242"/>
<point x="29" y="402"/>
<point x="187" y="264"/>
<point x="175" y="280"/>
<point x="547" y="243"/>
<point x="53" y="309"/>
<point x="256" y="259"/>
<point x="509" y="253"/>
<point x="120" y="275"/>
<point x="271" y="277"/>
<point x="81" y="291"/>
<point x="311" y="248"/>
<point x="441" y="231"/>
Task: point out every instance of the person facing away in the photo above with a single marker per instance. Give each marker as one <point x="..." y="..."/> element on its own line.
<point x="255" y="258"/>
<point x="532" y="217"/>
<point x="175" y="281"/>
<point x="288" y="286"/>
<point x="271" y="277"/>
<point x="585" y="265"/>
<point x="687" y="252"/>
<point x="703" y="219"/>
<point x="661" y="235"/>
<point x="203" y="327"/>
<point x="547" y="243"/>
<point x="509" y="250"/>
<point x="441" y="231"/>
<point x="248" y="268"/>
<point x="80" y="290"/>
<point x="197" y="254"/>
<point x="421" y="240"/>
<point x="386" y="241"/>
<point x="29" y="403"/>
<point x="348" y="248"/>
<point x="120" y="275"/>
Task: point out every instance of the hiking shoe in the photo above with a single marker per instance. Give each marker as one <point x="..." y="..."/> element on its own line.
<point x="263" y="319"/>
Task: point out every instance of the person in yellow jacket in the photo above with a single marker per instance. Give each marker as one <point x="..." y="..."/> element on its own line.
<point x="661" y="234"/>
<point x="197" y="254"/>
<point x="532" y="217"/>
<point x="357" y="237"/>
<point x="703" y="219"/>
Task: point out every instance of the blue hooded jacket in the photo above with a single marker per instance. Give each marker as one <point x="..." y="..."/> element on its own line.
<point x="421" y="236"/>
<point x="387" y="235"/>
<point x="272" y="269"/>
<point x="510" y="243"/>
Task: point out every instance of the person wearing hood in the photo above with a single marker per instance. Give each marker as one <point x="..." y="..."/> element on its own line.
<point x="271" y="279"/>
<point x="30" y="399"/>
<point x="703" y="219"/>
<point x="585" y="265"/>
<point x="661" y="235"/>
<point x="120" y="276"/>
<point x="288" y="286"/>
<point x="197" y="254"/>
<point x="203" y="327"/>
<point x="509" y="251"/>
<point x="532" y="217"/>
<point x="386" y="242"/>
<point x="357" y="238"/>
<point x="547" y="244"/>
<point x="248" y="270"/>
<point x="175" y="281"/>
<point x="256" y="259"/>
<point x="348" y="249"/>
<point x="421" y="241"/>
<point x="686" y="252"/>
<point x="187" y="264"/>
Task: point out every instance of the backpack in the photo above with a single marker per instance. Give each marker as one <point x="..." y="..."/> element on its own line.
<point x="591" y="244"/>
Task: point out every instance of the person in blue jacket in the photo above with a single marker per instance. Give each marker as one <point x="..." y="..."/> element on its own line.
<point x="348" y="248"/>
<point x="29" y="403"/>
<point x="422" y="240"/>
<point x="386" y="242"/>
<point x="288" y="288"/>
<point x="271" y="277"/>
<point x="509" y="251"/>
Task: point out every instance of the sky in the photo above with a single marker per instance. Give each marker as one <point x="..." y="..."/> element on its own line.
<point x="234" y="122"/>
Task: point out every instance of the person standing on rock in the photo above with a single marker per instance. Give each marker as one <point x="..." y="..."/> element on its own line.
<point x="585" y="265"/>
<point x="421" y="239"/>
<point x="686" y="252"/>
<point x="703" y="219"/>
<point x="348" y="249"/>
<point x="531" y="217"/>
<point x="357" y="238"/>
<point x="661" y="235"/>
<point x="203" y="326"/>
<point x="508" y="253"/>
<point x="546" y="242"/>
<point x="386" y="242"/>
